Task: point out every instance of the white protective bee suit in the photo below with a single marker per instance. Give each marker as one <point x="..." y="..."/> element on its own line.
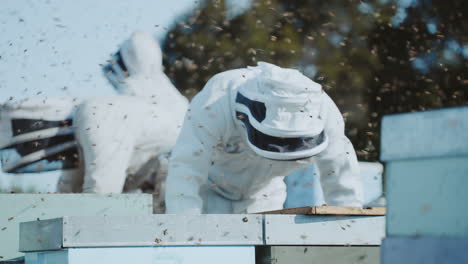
<point x="122" y="140"/>
<point x="130" y="133"/>
<point x="245" y="131"/>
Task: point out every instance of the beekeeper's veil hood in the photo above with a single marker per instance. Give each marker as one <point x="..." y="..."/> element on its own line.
<point x="136" y="69"/>
<point x="280" y="112"/>
<point x="141" y="54"/>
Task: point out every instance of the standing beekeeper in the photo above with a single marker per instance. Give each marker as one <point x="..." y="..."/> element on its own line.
<point x="245" y="131"/>
<point x="104" y="144"/>
<point x="128" y="135"/>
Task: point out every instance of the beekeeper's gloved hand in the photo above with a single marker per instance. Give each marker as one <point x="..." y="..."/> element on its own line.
<point x="133" y="69"/>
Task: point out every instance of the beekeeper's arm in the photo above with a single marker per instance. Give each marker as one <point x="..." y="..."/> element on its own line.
<point x="338" y="165"/>
<point x="190" y="162"/>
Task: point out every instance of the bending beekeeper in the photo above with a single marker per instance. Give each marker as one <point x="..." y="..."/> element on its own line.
<point x="248" y="129"/>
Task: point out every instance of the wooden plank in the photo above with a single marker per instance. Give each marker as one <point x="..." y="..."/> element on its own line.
<point x="307" y="210"/>
<point x="330" y="210"/>
<point x="337" y="210"/>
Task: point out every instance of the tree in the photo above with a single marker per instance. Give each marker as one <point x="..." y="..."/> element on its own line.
<point x="368" y="63"/>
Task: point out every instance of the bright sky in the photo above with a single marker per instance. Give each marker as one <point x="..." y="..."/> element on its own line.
<point x="54" y="48"/>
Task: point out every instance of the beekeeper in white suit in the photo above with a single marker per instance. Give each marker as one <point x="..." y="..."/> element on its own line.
<point x="122" y="140"/>
<point x="130" y="133"/>
<point x="245" y="131"/>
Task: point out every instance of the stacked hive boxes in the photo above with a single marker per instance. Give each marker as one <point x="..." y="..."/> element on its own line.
<point x="17" y="208"/>
<point x="426" y="155"/>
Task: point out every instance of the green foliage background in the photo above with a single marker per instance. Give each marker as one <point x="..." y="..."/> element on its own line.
<point x="363" y="61"/>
